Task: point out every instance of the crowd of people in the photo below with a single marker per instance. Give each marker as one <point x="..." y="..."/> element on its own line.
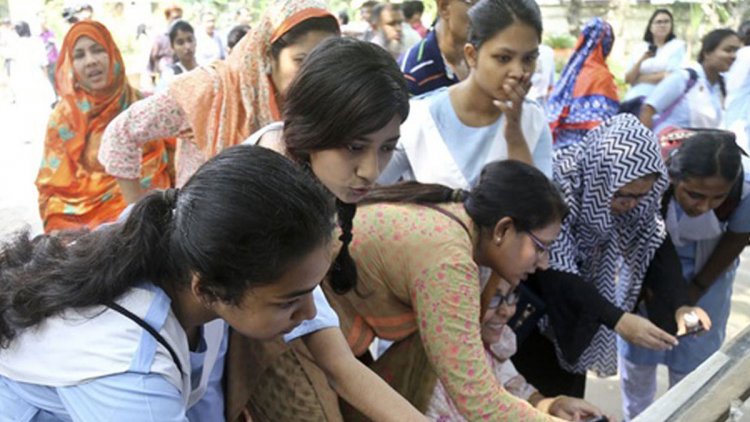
<point x="319" y="220"/>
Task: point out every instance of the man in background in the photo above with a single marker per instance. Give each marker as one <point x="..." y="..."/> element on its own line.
<point x="387" y="19"/>
<point x="413" y="11"/>
<point x="367" y="30"/>
<point x="162" y="56"/>
<point x="438" y="60"/>
<point x="210" y="46"/>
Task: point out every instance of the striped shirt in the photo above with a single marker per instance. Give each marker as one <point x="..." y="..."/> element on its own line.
<point x="424" y="68"/>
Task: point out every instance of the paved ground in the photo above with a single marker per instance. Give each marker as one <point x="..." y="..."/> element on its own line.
<point x="20" y="154"/>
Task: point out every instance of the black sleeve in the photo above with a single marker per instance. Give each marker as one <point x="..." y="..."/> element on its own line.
<point x="664" y="288"/>
<point x="575" y="309"/>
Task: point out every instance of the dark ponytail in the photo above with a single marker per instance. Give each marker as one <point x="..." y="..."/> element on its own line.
<point x="44" y="276"/>
<point x="344" y="270"/>
<point x="242" y="220"/>
<point x="415" y="193"/>
<point x="506" y="188"/>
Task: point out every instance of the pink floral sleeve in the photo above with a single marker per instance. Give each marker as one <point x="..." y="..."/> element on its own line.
<point x="446" y="295"/>
<point x="155" y="117"/>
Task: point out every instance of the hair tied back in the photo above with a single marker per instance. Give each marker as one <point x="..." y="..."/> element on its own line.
<point x="171" y="196"/>
<point x="458" y="195"/>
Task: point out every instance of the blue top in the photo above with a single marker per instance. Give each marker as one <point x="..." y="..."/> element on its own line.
<point x="739" y="222"/>
<point x="671" y="90"/>
<point x="468" y="145"/>
<point x="135" y="395"/>
<point x="424" y="68"/>
<point x="716" y="301"/>
<point x="324" y="318"/>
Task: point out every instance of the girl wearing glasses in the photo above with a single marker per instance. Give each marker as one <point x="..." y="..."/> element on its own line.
<point x="613" y="239"/>
<point x="500" y="344"/>
<point x="707" y="213"/>
<point x="660" y="54"/>
<point x="423" y="253"/>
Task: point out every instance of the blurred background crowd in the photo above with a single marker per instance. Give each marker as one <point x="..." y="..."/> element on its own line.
<point x="31" y="31"/>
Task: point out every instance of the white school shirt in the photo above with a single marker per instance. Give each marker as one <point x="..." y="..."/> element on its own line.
<point x="422" y="153"/>
<point x="700" y="107"/>
<point x="737" y="116"/>
<point x="82" y="346"/>
<point x="669" y="58"/>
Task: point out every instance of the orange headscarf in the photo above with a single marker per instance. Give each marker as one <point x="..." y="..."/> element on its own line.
<point x="74" y="190"/>
<point x="227" y="101"/>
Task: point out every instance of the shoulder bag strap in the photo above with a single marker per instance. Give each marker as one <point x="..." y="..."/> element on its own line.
<point x="133" y="317"/>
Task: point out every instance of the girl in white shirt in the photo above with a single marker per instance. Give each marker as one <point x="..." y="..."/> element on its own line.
<point x="108" y="324"/>
<point x="660" y="54"/>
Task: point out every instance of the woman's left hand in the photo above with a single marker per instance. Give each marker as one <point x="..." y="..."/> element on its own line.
<point x="573" y="409"/>
<point x="679" y="316"/>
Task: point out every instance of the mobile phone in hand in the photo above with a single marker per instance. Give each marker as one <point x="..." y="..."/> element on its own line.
<point x="692" y="331"/>
<point x="652" y="48"/>
<point x="601" y="418"/>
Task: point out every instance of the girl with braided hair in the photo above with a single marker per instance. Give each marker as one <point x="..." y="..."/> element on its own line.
<point x="341" y="123"/>
<point x="424" y="253"/>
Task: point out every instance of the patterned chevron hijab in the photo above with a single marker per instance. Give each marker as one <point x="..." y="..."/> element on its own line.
<point x="613" y="252"/>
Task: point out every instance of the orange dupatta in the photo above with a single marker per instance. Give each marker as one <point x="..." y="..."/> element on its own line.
<point x="74" y="190"/>
<point x="227" y="101"/>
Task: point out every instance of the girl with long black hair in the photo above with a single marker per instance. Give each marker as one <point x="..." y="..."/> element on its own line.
<point x="133" y="316"/>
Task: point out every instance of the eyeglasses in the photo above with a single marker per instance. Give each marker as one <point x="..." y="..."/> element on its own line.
<point x="510" y="299"/>
<point x="662" y="22"/>
<point x="628" y="196"/>
<point x="540" y="247"/>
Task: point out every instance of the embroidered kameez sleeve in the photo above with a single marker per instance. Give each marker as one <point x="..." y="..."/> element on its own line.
<point x="156" y="117"/>
<point x="445" y="294"/>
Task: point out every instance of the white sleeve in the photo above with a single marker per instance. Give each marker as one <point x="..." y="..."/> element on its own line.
<point x="398" y="168"/>
<point x="325" y="318"/>
<point x="542" y="154"/>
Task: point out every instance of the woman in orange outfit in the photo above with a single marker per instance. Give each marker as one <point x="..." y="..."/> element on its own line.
<point x="74" y="190"/>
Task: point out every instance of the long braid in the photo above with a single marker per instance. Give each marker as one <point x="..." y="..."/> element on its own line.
<point x="344" y="271"/>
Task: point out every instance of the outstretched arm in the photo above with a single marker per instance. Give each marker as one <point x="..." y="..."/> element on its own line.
<point x="355" y="382"/>
<point x="153" y="118"/>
